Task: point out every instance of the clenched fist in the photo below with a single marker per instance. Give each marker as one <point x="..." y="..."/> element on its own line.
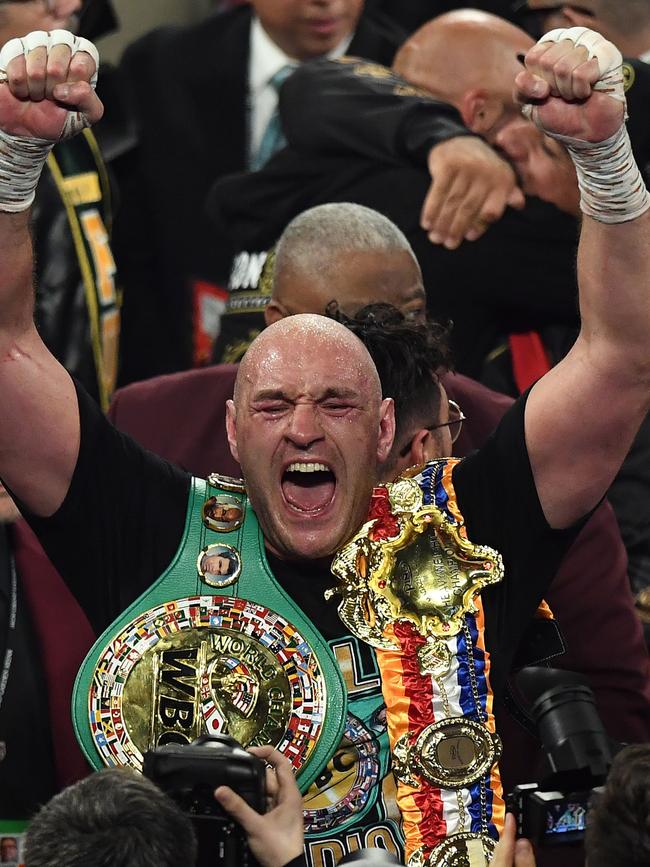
<point x="573" y="85"/>
<point x="47" y="88"/>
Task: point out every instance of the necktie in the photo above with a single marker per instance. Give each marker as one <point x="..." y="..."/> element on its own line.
<point x="272" y="139"/>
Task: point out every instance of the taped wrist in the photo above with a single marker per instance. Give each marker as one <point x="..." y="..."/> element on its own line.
<point x="21" y="163"/>
<point x="611" y="187"/>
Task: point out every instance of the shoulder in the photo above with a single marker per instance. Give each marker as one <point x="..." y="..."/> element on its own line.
<point x="377" y="38"/>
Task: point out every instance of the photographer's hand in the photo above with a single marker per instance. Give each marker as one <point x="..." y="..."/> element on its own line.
<point x="277" y="837"/>
<point x="511" y="852"/>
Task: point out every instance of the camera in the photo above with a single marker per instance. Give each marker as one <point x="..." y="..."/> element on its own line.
<point x="577" y="758"/>
<point x="190" y="773"/>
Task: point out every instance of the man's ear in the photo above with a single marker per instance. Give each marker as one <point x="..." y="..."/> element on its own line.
<point x="386" y="429"/>
<point x="479" y="111"/>
<point x="274" y="311"/>
<point x="419" y="453"/>
<point x="231" y="430"/>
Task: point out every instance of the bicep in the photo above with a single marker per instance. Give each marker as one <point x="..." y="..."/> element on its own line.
<point x="580" y="421"/>
<point x="39" y="424"/>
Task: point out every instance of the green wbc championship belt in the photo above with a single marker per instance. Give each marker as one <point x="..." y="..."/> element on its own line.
<point x="214" y="646"/>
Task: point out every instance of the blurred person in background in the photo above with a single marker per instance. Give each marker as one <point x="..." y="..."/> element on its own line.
<point x="626" y="23"/>
<point x="39" y="752"/>
<point x="358" y="133"/>
<point x="228" y="69"/>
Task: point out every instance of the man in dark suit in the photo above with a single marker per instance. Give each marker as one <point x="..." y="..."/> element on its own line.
<point x="202" y="97"/>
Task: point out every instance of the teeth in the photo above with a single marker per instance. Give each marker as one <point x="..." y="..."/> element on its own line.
<point x="307" y="468"/>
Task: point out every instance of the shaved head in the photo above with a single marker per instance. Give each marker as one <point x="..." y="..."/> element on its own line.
<point x="463" y="49"/>
<point x="309" y="429"/>
<point x="299" y="337"/>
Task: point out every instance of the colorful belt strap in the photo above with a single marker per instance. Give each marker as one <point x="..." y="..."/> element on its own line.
<point x="410" y="582"/>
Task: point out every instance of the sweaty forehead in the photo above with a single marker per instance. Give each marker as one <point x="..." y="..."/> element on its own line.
<point x="308" y="357"/>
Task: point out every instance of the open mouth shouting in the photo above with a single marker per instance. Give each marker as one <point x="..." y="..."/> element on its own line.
<point x="308" y="487"/>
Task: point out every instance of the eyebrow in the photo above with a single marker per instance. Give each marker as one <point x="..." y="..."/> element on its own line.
<point x="332" y="391"/>
<point x="270" y="394"/>
<point x="416" y="292"/>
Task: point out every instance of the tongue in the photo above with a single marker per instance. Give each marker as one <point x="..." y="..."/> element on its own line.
<point x="308" y="492"/>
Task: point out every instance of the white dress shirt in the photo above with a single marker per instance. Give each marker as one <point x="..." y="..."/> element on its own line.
<point x="265" y="60"/>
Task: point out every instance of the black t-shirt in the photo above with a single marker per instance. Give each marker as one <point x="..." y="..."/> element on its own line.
<point x="123" y="519"/>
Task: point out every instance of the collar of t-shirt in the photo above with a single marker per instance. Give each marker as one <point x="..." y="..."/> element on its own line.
<point x="265" y="60"/>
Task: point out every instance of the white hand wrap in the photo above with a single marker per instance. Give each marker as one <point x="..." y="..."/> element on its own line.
<point x="611" y="187"/>
<point x="22" y="157"/>
<point x="610" y="60"/>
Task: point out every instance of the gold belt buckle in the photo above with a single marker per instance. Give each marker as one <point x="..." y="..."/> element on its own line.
<point x="458" y="850"/>
<point x="206" y="665"/>
<point x="451" y="754"/>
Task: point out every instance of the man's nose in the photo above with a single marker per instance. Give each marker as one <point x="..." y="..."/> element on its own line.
<point x="515" y="139"/>
<point x="304" y="427"/>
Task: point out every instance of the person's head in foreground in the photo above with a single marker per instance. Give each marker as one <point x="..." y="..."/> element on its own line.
<point x="115" y="817"/>
<point x="618" y="824"/>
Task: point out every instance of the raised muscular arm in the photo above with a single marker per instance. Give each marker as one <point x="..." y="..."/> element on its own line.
<point x="39" y="420"/>
<point x="582" y="416"/>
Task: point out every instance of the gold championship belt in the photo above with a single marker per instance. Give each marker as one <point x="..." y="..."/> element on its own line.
<point x="410" y="582"/>
<point x="182" y="662"/>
